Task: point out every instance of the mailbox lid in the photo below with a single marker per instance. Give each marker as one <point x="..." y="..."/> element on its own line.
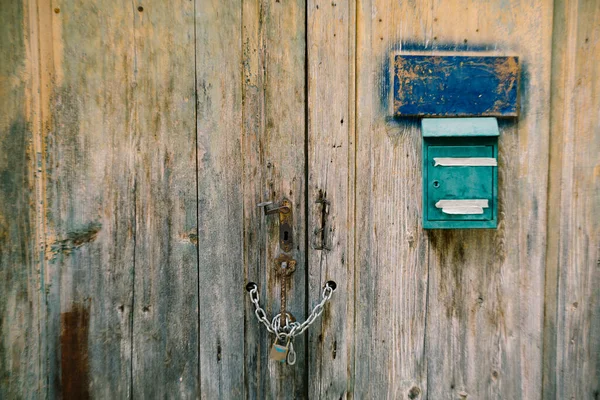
<point x="459" y="127"/>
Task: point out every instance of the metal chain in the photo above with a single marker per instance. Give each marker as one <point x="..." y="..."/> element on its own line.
<point x="291" y="329"/>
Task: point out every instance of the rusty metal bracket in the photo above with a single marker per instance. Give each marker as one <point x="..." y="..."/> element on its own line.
<point x="321" y="232"/>
<point x="284" y="268"/>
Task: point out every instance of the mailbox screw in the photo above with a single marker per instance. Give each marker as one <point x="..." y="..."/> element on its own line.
<point x="436" y="184"/>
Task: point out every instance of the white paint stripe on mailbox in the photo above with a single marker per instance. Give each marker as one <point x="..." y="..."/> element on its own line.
<point x="482" y="203"/>
<point x="462" y="210"/>
<point x="465" y="162"/>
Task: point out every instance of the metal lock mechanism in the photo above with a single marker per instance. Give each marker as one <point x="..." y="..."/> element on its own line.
<point x="283" y="325"/>
<point x="286" y="222"/>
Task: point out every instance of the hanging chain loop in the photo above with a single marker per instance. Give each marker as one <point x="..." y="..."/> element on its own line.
<point x="291" y="329"/>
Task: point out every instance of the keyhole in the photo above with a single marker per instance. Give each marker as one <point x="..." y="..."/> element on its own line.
<point x="285" y="235"/>
<point x="436" y="184"/>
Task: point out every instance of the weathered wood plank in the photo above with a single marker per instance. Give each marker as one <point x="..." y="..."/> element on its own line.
<point x="220" y="202"/>
<point x="255" y="190"/>
<point x="484" y="323"/>
<point x="391" y="248"/>
<point x="572" y="317"/>
<point x="274" y="168"/>
<point x="89" y="159"/>
<point x="21" y="343"/>
<point x="165" y="314"/>
<point x="331" y="95"/>
<point x="452" y="85"/>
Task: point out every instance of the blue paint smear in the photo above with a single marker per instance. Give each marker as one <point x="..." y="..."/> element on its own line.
<point x="384" y="70"/>
<point x="454" y="86"/>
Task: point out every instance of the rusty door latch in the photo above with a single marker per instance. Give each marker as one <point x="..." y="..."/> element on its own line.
<point x="321" y="233"/>
<point x="286" y="222"/>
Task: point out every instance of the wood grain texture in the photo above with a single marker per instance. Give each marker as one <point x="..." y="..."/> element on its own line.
<point x="274" y="49"/>
<point x="255" y="190"/>
<point x="485" y="309"/>
<point x="331" y="40"/>
<point x="21" y="343"/>
<point x="391" y="248"/>
<point x="137" y="139"/>
<point x="572" y="303"/>
<point x="220" y="201"/>
<point x="165" y="314"/>
<point x="460" y="362"/>
<point x="89" y="159"/>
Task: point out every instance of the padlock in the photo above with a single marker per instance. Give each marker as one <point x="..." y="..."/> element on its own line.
<point x="279" y="352"/>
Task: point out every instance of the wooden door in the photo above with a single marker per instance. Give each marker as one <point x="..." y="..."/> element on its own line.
<point x="138" y="139"/>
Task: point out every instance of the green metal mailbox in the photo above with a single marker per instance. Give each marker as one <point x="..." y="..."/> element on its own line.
<point x="459" y="97"/>
<point x="460" y="173"/>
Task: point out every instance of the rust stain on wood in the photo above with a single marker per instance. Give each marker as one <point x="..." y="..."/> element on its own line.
<point x="74" y="330"/>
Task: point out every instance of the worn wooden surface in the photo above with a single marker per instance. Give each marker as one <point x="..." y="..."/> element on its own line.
<point x="391" y="248"/>
<point x="451" y="85"/>
<point x="331" y="42"/>
<point x="572" y="302"/>
<point x="220" y="204"/>
<point x="480" y="291"/>
<point x="137" y="140"/>
<point x="485" y="308"/>
<point x="21" y="341"/>
<point x="274" y="137"/>
<point x="165" y="293"/>
<point x="89" y="157"/>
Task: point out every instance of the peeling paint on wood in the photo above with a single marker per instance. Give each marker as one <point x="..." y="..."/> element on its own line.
<point x="450" y="85"/>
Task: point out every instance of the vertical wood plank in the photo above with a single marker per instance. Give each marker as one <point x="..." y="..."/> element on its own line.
<point x="89" y="161"/>
<point x="391" y="247"/>
<point x="256" y="237"/>
<point x="220" y="202"/>
<point x="255" y="190"/>
<point x="274" y="161"/>
<point x="165" y="324"/>
<point x="21" y="300"/>
<point x="484" y="324"/>
<point x="572" y="318"/>
<point x="331" y="91"/>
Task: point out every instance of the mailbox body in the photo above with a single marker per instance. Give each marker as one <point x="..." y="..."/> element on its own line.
<point x="460" y="173"/>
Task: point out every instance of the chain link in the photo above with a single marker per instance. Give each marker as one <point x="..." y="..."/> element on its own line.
<point x="291" y="329"/>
